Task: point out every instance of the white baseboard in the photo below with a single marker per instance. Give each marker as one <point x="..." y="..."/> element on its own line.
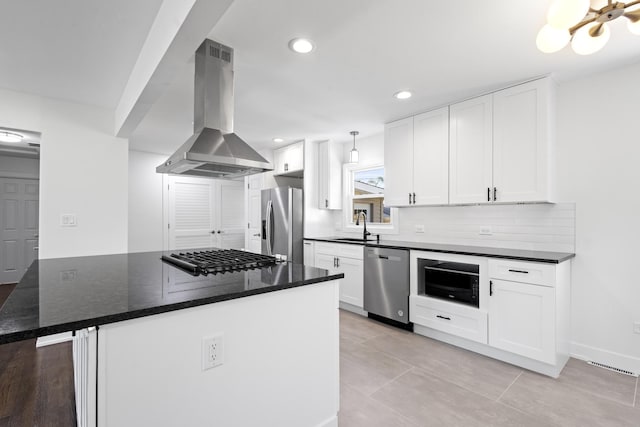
<point x="53" y="339"/>
<point x="331" y="422"/>
<point x="606" y="357"/>
<point x="352" y="308"/>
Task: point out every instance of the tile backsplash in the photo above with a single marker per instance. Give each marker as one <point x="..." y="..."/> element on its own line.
<point x="544" y="227"/>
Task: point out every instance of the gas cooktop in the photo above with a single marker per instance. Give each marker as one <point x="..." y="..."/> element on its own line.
<point x="216" y="261"/>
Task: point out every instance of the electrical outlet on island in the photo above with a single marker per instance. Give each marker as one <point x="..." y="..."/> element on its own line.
<point x="212" y="351"/>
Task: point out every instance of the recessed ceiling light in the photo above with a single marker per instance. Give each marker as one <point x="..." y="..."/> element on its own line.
<point x="10" y="137"/>
<point x="301" y="45"/>
<point x="403" y="94"/>
<point x="278" y="140"/>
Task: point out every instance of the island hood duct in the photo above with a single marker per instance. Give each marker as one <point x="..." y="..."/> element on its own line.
<point x="214" y="151"/>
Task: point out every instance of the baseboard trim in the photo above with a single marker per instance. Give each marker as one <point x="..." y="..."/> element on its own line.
<point x="352" y="308"/>
<point x="331" y="422"/>
<point x="606" y="357"/>
<point x="53" y="339"/>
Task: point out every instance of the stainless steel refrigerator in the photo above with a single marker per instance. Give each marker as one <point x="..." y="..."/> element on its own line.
<point x="282" y="223"/>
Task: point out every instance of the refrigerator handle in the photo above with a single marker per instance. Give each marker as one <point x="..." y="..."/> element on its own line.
<point x="269" y="216"/>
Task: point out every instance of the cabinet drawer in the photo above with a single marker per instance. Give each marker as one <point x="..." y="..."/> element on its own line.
<point x="454" y="319"/>
<point x="524" y="272"/>
<point x="340" y="250"/>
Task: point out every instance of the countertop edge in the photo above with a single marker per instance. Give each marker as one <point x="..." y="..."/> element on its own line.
<point x="144" y="312"/>
<point x="412" y="246"/>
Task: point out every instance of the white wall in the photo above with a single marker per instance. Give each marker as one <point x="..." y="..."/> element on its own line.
<point x="19" y="167"/>
<point x="598" y="153"/>
<point x="146" y="190"/>
<point x="83" y="171"/>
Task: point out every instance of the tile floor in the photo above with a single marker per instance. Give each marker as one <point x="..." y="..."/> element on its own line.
<point x="390" y="378"/>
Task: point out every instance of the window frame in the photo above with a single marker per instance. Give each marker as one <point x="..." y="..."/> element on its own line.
<point x="348" y="172"/>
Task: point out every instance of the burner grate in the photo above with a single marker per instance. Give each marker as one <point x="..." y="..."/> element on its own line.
<point x="218" y="261"/>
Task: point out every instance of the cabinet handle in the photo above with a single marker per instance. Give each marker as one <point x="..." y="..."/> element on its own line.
<point x="488" y="194"/>
<point x="490" y="287"/>
<point x="409" y="198"/>
<point x="519" y="271"/>
<point x="286" y="167"/>
<point x="334" y="261"/>
<point x="326" y="203"/>
<point x="338" y="259"/>
<point x="495" y="197"/>
<point x="443" y="317"/>
<point x="414" y="198"/>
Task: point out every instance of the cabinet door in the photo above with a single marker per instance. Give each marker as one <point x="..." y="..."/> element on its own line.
<point x="431" y="157"/>
<point x="325" y="261"/>
<point x="352" y="286"/>
<point x="309" y="253"/>
<point x="522" y="320"/>
<point x="329" y="175"/>
<point x="470" y="154"/>
<point x="398" y="167"/>
<point x="294" y="157"/>
<point x="521" y="142"/>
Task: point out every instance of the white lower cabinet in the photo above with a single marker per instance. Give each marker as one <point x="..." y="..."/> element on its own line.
<point x="346" y="259"/>
<point x="522" y="319"/>
<point x="523" y="316"/>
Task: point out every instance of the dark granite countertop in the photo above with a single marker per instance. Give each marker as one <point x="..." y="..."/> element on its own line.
<point x="516" y="254"/>
<point x="66" y="294"/>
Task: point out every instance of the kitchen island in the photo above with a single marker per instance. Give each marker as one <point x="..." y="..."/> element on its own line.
<point x="140" y="331"/>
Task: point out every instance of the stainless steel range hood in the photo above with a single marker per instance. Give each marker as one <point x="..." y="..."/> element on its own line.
<point x="214" y="151"/>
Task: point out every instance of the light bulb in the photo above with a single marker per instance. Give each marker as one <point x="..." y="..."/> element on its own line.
<point x="634" y="27"/>
<point x="551" y="39"/>
<point x="301" y="45"/>
<point x="353" y="156"/>
<point x="584" y="43"/>
<point x="564" y="14"/>
<point x="10" y="137"/>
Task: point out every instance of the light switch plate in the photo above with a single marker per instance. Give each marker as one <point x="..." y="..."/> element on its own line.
<point x="68" y="220"/>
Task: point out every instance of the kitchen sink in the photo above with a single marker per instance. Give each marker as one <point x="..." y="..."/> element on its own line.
<point x="353" y="239"/>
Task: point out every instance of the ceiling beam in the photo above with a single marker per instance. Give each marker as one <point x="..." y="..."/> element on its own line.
<point x="179" y="28"/>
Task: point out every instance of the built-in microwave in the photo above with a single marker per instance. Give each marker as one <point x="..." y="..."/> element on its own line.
<point x="453" y="281"/>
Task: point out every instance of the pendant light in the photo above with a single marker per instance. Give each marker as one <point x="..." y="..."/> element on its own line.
<point x="353" y="154"/>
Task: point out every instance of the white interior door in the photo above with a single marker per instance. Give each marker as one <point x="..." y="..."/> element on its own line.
<point x="205" y="213"/>
<point x="254" y="216"/>
<point x="191" y="219"/>
<point x="19" y="199"/>
<point x="229" y="214"/>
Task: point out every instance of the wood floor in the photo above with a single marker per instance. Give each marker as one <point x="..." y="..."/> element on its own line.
<point x="36" y="385"/>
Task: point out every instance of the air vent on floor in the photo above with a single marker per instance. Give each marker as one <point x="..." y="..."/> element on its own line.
<point x="611" y="368"/>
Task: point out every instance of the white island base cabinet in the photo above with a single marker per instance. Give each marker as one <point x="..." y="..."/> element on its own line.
<point x="523" y="317"/>
<point x="280" y="364"/>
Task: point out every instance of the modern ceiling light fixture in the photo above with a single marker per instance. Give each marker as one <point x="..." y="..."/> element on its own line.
<point x="353" y="154"/>
<point x="584" y="26"/>
<point x="10" y="136"/>
<point x="278" y="140"/>
<point x="403" y="94"/>
<point x="301" y="45"/>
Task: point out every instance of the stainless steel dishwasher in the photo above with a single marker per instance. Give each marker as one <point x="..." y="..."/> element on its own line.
<point x="386" y="283"/>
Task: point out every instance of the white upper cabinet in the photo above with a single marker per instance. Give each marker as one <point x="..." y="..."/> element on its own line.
<point x="430" y="158"/>
<point x="416" y="154"/>
<point x="329" y="175"/>
<point x="522" y="143"/>
<point x="289" y="160"/>
<point x="470" y="151"/>
<point x="398" y="164"/>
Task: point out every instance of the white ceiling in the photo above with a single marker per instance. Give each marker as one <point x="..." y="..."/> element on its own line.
<point x="81" y="51"/>
<point x="365" y="51"/>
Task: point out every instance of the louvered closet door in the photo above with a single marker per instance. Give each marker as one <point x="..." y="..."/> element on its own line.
<point x="191" y="219"/>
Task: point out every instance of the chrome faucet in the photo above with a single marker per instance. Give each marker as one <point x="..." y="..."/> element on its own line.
<point x="365" y="233"/>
